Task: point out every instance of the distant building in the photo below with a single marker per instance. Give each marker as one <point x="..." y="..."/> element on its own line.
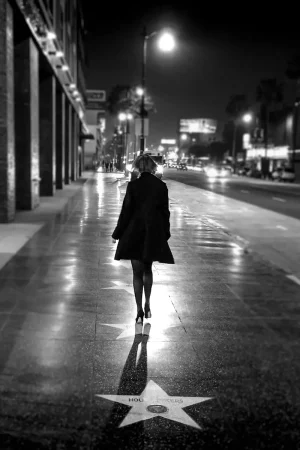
<point x="279" y="151"/>
<point x="192" y="132"/>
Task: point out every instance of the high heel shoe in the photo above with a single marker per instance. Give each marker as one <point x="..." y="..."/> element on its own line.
<point x="140" y="317"/>
<point x="148" y="314"/>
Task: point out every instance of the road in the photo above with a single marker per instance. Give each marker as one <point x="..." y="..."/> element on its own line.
<point x="281" y="198"/>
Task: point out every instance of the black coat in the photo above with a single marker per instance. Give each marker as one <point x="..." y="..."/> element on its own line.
<point x="143" y="227"/>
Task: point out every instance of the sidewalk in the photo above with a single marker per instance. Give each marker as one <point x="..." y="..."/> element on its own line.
<point x="216" y="367"/>
<point x="274" y="237"/>
<point x="13" y="236"/>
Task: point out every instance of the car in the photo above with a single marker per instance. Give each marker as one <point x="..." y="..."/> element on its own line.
<point x="218" y="171"/>
<point x="182" y="166"/>
<point x="243" y="170"/>
<point x="283" y="174"/>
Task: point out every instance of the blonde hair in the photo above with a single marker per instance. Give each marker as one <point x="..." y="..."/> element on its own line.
<point x="144" y="163"/>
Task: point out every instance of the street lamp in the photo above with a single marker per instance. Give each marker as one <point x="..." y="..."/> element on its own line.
<point x="166" y="43"/>
<point x="245" y="118"/>
<point x="139" y="91"/>
<point x="125" y="118"/>
<point x="122" y="117"/>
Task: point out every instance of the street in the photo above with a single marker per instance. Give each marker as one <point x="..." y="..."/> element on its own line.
<point x="279" y="197"/>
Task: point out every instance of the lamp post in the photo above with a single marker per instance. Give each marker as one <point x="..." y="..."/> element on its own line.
<point x="166" y="43"/>
<point x="125" y="119"/>
<point x="245" y="118"/>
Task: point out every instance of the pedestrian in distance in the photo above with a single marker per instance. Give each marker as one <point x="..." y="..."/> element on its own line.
<point x="143" y="230"/>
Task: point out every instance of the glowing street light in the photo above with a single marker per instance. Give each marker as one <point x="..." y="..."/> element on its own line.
<point x="140" y="91"/>
<point x="51" y="35"/>
<point x="166" y="42"/>
<point x="184" y="137"/>
<point x="247" y="118"/>
<point x="125" y="116"/>
<point x="122" y="117"/>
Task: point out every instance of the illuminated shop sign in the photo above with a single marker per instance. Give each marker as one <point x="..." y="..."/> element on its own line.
<point x="197" y="126"/>
<point x="272" y="153"/>
<point x="168" y="141"/>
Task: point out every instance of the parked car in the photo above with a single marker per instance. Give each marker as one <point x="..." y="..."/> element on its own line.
<point x="284" y="174"/>
<point x="254" y="173"/>
<point x="243" y="171"/>
<point x="182" y="166"/>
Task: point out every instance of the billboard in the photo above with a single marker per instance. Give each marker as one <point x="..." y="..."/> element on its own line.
<point x="207" y="126"/>
<point x="95" y="99"/>
<point x="168" y="141"/>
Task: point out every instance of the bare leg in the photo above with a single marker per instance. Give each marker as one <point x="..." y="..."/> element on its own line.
<point x="138" y="270"/>
<point x="148" y="281"/>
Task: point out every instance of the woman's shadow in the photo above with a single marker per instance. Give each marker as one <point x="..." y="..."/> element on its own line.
<point x="134" y="376"/>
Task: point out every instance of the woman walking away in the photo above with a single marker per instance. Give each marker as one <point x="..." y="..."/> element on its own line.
<point x="143" y="230"/>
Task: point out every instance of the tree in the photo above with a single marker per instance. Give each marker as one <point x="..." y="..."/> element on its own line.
<point x="237" y="106"/>
<point x="125" y="98"/>
<point x="268" y="93"/>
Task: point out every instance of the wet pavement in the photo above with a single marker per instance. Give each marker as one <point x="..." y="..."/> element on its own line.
<point x="217" y="367"/>
<point x="272" y="236"/>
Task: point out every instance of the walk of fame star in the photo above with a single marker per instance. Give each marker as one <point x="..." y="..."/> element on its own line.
<point x="155" y="402"/>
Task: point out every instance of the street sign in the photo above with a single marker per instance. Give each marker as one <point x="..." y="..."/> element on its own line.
<point x="95" y="99"/>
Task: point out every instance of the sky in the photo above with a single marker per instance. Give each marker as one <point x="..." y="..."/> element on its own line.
<point x="219" y="52"/>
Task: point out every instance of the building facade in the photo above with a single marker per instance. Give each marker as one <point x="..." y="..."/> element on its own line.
<point x="42" y="98"/>
<point x="283" y="149"/>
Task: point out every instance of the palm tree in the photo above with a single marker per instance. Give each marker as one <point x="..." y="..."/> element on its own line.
<point x="236" y="107"/>
<point x="268" y="93"/>
<point x="125" y="98"/>
<point x="293" y="73"/>
<point x="118" y="100"/>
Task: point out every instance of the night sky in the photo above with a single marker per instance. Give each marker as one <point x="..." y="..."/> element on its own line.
<point x="219" y="53"/>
